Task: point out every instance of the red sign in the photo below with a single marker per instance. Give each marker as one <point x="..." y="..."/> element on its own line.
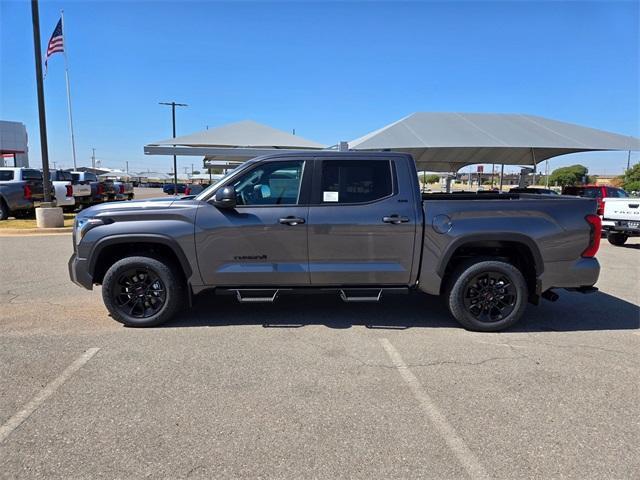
<point x="480" y="169"/>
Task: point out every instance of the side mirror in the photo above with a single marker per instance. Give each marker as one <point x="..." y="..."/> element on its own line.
<point x="225" y="198"/>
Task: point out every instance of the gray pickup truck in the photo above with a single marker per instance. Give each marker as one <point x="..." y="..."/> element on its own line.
<point x="20" y="190"/>
<point x="347" y="222"/>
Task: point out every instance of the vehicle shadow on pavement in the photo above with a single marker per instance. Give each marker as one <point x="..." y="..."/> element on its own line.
<point x="572" y="312"/>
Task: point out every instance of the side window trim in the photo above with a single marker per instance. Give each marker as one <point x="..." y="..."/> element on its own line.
<point x="316" y="194"/>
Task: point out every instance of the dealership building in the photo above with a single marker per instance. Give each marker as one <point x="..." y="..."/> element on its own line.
<point x="14" y="151"/>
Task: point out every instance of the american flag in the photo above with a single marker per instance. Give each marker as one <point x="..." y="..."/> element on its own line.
<point x="56" y="43"/>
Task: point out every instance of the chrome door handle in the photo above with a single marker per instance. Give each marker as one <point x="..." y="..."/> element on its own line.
<point x="395" y="219"/>
<point x="292" y="221"/>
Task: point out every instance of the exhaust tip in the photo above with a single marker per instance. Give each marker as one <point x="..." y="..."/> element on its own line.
<point x="550" y="295"/>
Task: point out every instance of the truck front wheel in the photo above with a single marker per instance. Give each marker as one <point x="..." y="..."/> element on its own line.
<point x="617" y="239"/>
<point x="487" y="295"/>
<point x="142" y="291"/>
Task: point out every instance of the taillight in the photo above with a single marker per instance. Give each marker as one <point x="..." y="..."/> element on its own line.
<point x="121" y="188"/>
<point x="595" y="223"/>
<point x="100" y="189"/>
<point x="600" y="210"/>
<point x="69" y="191"/>
<point x="27" y="192"/>
<point x="187" y="191"/>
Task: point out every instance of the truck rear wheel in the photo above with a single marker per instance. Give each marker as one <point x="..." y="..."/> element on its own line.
<point x="487" y="295"/>
<point x="142" y="291"/>
<point x="4" y="210"/>
<point x="617" y="239"/>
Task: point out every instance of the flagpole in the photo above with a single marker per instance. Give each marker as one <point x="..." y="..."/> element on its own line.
<point x="66" y="74"/>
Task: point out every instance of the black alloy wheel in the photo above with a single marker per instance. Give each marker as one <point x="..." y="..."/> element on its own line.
<point x="486" y="295"/>
<point x="139" y="293"/>
<point x="143" y="291"/>
<point x="490" y="297"/>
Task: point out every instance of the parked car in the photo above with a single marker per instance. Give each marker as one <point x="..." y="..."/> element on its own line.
<point x="21" y="189"/>
<point x="81" y="190"/>
<point x="63" y="189"/>
<point x="621" y="219"/>
<point x="599" y="192"/>
<point x="98" y="191"/>
<point x="351" y="222"/>
<point x="118" y="190"/>
<point x="534" y="190"/>
<point x="170" y="188"/>
<point x="194" y="189"/>
<point x="124" y="190"/>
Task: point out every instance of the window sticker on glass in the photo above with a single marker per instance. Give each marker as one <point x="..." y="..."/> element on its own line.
<point x="329" y="196"/>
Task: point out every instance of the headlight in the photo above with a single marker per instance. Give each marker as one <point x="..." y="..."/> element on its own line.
<point x="83" y="225"/>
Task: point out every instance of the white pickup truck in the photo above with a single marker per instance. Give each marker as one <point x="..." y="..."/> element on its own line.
<point x="621" y="219"/>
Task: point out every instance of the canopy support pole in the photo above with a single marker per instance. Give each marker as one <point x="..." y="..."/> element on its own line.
<point x="501" y="175"/>
<point x="533" y="157"/>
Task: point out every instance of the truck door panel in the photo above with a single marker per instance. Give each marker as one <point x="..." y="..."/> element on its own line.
<point x="361" y="227"/>
<point x="263" y="241"/>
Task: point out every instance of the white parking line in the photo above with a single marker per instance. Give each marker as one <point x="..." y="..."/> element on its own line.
<point x="464" y="455"/>
<point x="17" y="419"/>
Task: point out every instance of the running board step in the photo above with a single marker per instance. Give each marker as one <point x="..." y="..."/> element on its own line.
<point x="361" y="295"/>
<point x="256" y="295"/>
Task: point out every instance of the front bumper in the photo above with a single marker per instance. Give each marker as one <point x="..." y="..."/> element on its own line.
<point x="79" y="272"/>
<point x="583" y="272"/>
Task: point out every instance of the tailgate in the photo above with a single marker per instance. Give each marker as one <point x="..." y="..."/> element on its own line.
<point x="622" y="209"/>
<point x="81" y="190"/>
<point x="37" y="190"/>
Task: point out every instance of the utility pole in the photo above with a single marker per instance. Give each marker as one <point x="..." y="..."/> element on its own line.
<point x="629" y="160"/>
<point x="35" y="19"/>
<point x="93" y="159"/>
<point x="173" y="119"/>
<point x="192" y="169"/>
<point x="126" y="167"/>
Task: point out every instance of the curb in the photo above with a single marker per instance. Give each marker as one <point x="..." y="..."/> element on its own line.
<point x="17" y="232"/>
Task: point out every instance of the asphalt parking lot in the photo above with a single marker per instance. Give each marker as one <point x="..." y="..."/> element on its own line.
<point x="313" y="387"/>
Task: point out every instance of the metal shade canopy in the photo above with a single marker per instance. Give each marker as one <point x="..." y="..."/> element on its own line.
<point x="237" y="140"/>
<point x="447" y="142"/>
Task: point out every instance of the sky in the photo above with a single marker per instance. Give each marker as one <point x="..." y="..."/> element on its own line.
<point x="332" y="70"/>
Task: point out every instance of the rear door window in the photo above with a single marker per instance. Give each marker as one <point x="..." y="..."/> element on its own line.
<point x="31" y="174"/>
<point x="6" y="175"/>
<point x="355" y="181"/>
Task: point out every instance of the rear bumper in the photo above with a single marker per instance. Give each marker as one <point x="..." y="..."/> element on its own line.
<point x="79" y="272"/>
<point x="583" y="272"/>
<point x="621" y="226"/>
<point x="21" y="204"/>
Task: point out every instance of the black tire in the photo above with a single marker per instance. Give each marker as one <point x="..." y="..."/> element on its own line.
<point x="617" y="239"/>
<point x="487" y="295"/>
<point x="133" y="299"/>
<point x="4" y="210"/>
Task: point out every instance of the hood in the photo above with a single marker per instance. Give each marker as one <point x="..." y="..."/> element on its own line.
<point x="147" y="204"/>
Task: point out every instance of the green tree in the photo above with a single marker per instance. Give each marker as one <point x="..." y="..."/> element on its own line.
<point x="631" y="179"/>
<point x="430" y="178"/>
<point x="572" y="175"/>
